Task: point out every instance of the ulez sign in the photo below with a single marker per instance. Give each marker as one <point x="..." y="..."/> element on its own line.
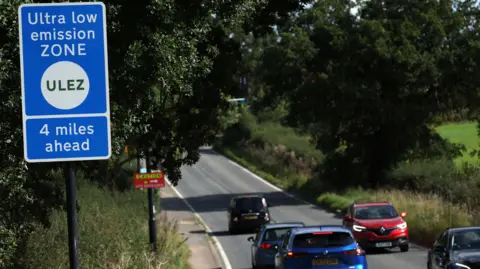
<point x="65" y="90"/>
<point x="153" y="180"/>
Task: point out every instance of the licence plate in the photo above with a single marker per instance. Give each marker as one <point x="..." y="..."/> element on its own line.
<point x="383" y="244"/>
<point x="250" y="217"/>
<point x="320" y="262"/>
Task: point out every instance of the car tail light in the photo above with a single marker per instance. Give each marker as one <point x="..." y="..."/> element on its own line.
<point x="235" y="219"/>
<point x="322" y="233"/>
<point x="266" y="245"/>
<point x="355" y="252"/>
<point x="291" y="254"/>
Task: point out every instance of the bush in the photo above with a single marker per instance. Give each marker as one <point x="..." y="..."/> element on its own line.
<point x="113" y="233"/>
<point x="276" y="149"/>
<point x="441" y="177"/>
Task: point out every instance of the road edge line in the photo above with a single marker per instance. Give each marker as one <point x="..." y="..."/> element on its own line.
<point x="259" y="178"/>
<point x="219" y="247"/>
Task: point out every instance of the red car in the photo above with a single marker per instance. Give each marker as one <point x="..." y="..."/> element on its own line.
<point x="377" y="225"/>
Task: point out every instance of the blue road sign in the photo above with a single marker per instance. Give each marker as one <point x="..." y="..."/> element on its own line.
<point x="65" y="91"/>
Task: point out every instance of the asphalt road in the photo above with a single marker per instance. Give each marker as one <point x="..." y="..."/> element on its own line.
<point x="209" y="185"/>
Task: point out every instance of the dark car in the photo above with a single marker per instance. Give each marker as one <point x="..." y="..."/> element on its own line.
<point x="263" y="253"/>
<point x="456" y="248"/>
<point x="247" y="212"/>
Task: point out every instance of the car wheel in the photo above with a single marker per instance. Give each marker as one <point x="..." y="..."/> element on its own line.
<point x="404" y="248"/>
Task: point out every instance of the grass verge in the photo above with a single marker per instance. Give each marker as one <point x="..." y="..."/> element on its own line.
<point x="464" y="133"/>
<point x="428" y="214"/>
<point x="113" y="234"/>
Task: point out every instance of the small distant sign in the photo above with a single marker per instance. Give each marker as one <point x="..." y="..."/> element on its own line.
<point x="153" y="180"/>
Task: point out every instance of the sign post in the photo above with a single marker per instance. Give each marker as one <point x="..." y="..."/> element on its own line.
<point x="152" y="228"/>
<point x="65" y="91"/>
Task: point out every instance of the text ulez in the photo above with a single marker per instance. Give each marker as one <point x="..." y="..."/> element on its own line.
<point x="65" y="85"/>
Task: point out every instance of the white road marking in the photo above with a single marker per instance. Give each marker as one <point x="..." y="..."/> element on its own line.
<point x="220" y="249"/>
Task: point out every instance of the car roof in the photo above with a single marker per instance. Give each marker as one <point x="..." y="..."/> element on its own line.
<point x="320" y="228"/>
<point x="326" y="226"/>
<point x="370" y="204"/>
<point x="466" y="228"/>
<point x="284" y="225"/>
<point x="241" y="196"/>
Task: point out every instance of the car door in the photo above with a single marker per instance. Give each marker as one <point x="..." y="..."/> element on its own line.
<point x="282" y="251"/>
<point x="438" y="257"/>
<point x="256" y="243"/>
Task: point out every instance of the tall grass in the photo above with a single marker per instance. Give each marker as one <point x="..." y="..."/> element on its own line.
<point x="113" y="234"/>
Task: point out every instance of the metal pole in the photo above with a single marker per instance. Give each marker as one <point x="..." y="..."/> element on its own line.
<point x="139" y="161"/>
<point x="69" y="171"/>
<point x="151" y="210"/>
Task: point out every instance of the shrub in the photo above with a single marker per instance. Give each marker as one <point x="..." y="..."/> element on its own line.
<point x="113" y="233"/>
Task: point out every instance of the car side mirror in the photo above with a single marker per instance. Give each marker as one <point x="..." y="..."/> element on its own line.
<point x="403" y="214"/>
<point x="347" y="218"/>
<point x="250" y="239"/>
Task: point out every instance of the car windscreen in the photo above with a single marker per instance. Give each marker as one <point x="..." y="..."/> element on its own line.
<point x="466" y="240"/>
<point x="375" y="212"/>
<point x="322" y="240"/>
<point x="246" y="204"/>
<point x="275" y="234"/>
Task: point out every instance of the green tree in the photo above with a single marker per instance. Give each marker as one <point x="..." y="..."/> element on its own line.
<point x="366" y="85"/>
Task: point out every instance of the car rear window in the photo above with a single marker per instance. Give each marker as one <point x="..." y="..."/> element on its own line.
<point x="322" y="240"/>
<point x="275" y="234"/>
<point x="245" y="204"/>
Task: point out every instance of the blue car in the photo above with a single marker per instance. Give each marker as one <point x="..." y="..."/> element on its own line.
<point x="263" y="255"/>
<point x="327" y="247"/>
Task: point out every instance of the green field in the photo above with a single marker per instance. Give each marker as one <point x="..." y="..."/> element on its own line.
<point x="463" y="133"/>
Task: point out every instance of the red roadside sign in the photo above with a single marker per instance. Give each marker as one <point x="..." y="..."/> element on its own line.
<point x="152" y="180"/>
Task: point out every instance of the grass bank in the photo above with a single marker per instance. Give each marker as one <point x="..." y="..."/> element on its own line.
<point x="113" y="234"/>
<point x="452" y="203"/>
<point x="464" y="133"/>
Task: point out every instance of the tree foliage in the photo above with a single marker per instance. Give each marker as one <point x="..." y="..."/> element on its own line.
<point x="367" y="85"/>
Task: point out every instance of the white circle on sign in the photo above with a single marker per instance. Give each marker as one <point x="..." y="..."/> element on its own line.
<point x="65" y="85"/>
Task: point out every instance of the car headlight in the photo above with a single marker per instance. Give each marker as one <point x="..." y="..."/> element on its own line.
<point x="402" y="225"/>
<point x="358" y="228"/>
<point x="459" y="265"/>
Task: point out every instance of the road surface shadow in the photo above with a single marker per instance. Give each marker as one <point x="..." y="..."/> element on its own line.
<point x="220" y="202"/>
<point x="216" y="233"/>
<point x="338" y="215"/>
<point x="208" y="151"/>
<point x="375" y="252"/>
